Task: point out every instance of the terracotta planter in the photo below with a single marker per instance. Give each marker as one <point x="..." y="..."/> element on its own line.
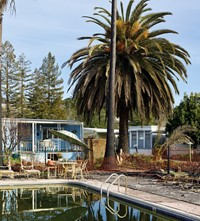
<point x="50" y="163"/>
<point x="16" y="168"/>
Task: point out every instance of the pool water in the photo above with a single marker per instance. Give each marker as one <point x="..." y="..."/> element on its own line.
<point x="66" y="203"/>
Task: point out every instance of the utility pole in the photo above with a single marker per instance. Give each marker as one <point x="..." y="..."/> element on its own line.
<point x="110" y="152"/>
<point x="1" y="23"/>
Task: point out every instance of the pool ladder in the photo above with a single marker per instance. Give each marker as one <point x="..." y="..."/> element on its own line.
<point x="117" y="179"/>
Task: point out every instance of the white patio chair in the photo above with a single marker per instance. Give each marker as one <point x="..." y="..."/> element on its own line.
<point x="6" y="170"/>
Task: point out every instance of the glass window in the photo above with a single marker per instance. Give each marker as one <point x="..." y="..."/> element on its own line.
<point x="140" y="139"/>
<point x="148" y="139"/>
<point x="45" y="134"/>
<point x="133" y="139"/>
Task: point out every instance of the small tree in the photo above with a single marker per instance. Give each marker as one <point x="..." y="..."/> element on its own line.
<point x="13" y="132"/>
<point x="179" y="135"/>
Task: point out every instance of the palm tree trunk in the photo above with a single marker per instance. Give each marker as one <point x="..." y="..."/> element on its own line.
<point x="123" y="130"/>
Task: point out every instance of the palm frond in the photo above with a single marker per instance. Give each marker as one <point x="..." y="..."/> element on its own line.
<point x="159" y="32"/>
<point x="8" y="3"/>
<point x="122" y="11"/>
<point x="153" y="17"/>
<point x="138" y="11"/>
<point x="96" y="21"/>
<point x="128" y="11"/>
<point x="179" y="135"/>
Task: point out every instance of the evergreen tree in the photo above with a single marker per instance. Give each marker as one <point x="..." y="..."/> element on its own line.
<point x="23" y="77"/>
<point x="46" y="92"/>
<point x="9" y="68"/>
<point x="187" y="113"/>
<point x="37" y="103"/>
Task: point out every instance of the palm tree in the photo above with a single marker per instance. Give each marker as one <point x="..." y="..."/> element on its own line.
<point x="147" y="67"/>
<point x="178" y="136"/>
<point x="3" y="5"/>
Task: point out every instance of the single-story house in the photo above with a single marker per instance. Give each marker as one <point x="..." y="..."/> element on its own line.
<point x="141" y="138"/>
<point x="39" y="141"/>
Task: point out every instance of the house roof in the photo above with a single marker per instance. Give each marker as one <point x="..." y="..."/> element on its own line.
<point x="44" y="121"/>
<point x="96" y="131"/>
<point x="153" y="128"/>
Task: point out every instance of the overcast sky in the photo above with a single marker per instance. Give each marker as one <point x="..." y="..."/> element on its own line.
<point x="40" y="26"/>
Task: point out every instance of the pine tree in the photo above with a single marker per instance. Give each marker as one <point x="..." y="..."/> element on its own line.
<point x="53" y="87"/>
<point x="37" y="101"/>
<point x="23" y="77"/>
<point x="47" y="91"/>
<point x="9" y="68"/>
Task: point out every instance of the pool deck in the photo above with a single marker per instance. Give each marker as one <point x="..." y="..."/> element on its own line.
<point x="156" y="201"/>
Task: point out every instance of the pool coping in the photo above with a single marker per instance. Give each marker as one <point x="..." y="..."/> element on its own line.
<point x="152" y="202"/>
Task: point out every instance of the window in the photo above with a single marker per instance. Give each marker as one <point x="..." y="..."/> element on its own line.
<point x="133" y="139"/>
<point x="46" y="134"/>
<point x="140" y="139"/>
<point x="148" y="139"/>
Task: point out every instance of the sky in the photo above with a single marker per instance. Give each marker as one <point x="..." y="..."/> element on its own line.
<point x="42" y="26"/>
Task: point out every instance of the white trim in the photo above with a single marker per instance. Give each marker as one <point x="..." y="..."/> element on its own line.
<point x="33" y="137"/>
<point x="44" y="121"/>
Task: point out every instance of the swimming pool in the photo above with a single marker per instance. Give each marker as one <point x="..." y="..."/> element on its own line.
<point x="70" y="202"/>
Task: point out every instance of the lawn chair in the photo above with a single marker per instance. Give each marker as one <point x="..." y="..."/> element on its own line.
<point x="82" y="170"/>
<point x="6" y="170"/>
<point x="84" y="167"/>
<point x="60" y="170"/>
<point x="51" y="169"/>
<point x="28" y="168"/>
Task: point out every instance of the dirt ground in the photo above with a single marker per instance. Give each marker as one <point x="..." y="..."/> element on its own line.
<point x="170" y="187"/>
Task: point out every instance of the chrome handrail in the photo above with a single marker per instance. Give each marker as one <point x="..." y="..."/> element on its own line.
<point x="118" y="177"/>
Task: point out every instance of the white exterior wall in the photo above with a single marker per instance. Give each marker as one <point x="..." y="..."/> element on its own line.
<point x="142" y="139"/>
<point x="142" y="151"/>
